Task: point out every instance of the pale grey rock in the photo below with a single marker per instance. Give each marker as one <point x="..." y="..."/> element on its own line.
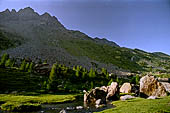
<point x="126" y="97"/>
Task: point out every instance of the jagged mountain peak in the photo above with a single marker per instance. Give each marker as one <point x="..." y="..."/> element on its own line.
<point x="6" y="12"/>
<point x="13" y="11"/>
<point x="27" y="9"/>
<point x="46" y="15"/>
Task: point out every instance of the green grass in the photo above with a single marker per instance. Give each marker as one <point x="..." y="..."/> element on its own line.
<point x="26" y="103"/>
<point x="120" y="57"/>
<point x="140" y="105"/>
<point x="42" y="99"/>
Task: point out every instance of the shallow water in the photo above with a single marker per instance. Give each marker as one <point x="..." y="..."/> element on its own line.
<point x="69" y="107"/>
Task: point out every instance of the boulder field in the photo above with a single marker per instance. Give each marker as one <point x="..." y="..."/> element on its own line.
<point x="149" y="87"/>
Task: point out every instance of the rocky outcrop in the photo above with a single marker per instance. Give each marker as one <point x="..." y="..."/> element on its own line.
<point x="149" y="86"/>
<point x="126" y="88"/>
<point x="99" y="96"/>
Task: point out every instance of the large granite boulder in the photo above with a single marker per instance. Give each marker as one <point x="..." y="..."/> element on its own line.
<point x="149" y="86"/>
<point x="113" y="91"/>
<point x="126" y="88"/>
<point x="95" y="94"/>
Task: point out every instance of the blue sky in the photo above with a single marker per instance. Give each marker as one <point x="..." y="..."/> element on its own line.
<point x="143" y="24"/>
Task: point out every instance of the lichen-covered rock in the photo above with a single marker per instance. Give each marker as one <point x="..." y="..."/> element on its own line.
<point x="149" y="86"/>
<point x="126" y="88"/>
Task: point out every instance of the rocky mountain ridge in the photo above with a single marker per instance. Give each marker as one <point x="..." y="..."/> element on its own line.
<point x="44" y="37"/>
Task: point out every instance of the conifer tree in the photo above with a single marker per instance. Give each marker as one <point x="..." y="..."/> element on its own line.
<point x="30" y="67"/>
<point x="53" y="79"/>
<point x="3" y="59"/>
<point x="92" y="73"/>
<point x="8" y="63"/>
<point x="23" y="65"/>
<point x="27" y="66"/>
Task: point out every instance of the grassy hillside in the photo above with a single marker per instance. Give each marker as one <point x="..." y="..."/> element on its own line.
<point x="125" y="58"/>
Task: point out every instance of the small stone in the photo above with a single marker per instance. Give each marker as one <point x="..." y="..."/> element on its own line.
<point x="79" y="107"/>
<point x="70" y="108"/>
<point x="100" y="106"/>
<point x="98" y="102"/>
<point x="152" y="97"/>
<point x="126" y="97"/>
<point x="63" y="111"/>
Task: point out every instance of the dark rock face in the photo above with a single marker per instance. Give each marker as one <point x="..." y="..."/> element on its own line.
<point x="149" y="86"/>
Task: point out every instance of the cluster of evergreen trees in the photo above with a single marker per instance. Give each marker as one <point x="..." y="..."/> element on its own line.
<point x="68" y="79"/>
<point x="8" y="62"/>
<point x="76" y="78"/>
<point x="79" y="78"/>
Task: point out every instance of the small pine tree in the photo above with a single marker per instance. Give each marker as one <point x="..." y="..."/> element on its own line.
<point x="30" y="67"/>
<point x="110" y="82"/>
<point x="92" y="73"/>
<point x="4" y="58"/>
<point x="23" y="65"/>
<point x="91" y="84"/>
<point x="27" y="66"/>
<point x="137" y="79"/>
<point x="12" y="62"/>
<point x="8" y="63"/>
<point x="53" y="79"/>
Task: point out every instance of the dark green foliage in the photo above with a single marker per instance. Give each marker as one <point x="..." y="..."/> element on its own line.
<point x="4" y="58"/>
<point x="14" y="80"/>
